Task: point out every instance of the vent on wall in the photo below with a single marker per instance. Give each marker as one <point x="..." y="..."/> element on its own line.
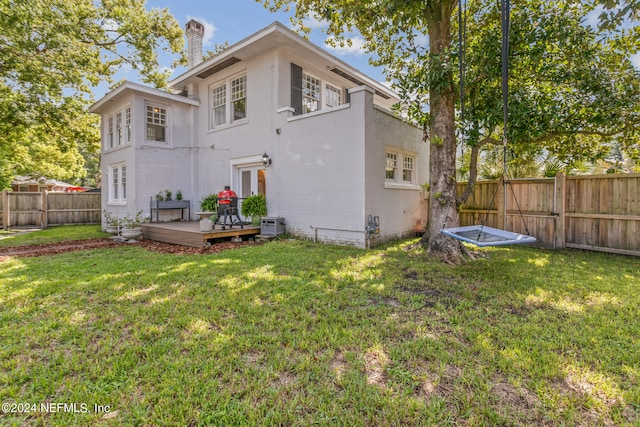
<point x="219" y="67"/>
<point x="352" y="79"/>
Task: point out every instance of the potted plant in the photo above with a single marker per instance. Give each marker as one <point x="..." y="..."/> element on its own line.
<point x="208" y="212"/>
<point x="164" y="200"/>
<point x="254" y="207"/>
<point x="131" y="227"/>
<point x="111" y="222"/>
<point x="209" y="204"/>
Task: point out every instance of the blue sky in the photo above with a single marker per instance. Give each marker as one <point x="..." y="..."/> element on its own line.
<point x="233" y="20"/>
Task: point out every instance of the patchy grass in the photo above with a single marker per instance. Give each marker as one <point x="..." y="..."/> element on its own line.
<point x="50" y="235"/>
<point x="292" y="333"/>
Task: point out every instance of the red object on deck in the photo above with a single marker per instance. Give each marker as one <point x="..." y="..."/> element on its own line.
<point x="224" y="197"/>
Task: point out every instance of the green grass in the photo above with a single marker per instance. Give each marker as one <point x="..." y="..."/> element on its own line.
<point x="293" y="333"/>
<point x="50" y="235"/>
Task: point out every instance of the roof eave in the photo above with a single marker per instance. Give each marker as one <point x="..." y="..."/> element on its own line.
<point x="136" y="87"/>
<point x="283" y="30"/>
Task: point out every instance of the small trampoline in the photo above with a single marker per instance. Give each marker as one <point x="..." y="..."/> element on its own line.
<point x="480" y="235"/>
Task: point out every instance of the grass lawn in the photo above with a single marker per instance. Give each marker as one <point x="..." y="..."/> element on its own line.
<point x="294" y="333"/>
<point x="50" y="235"/>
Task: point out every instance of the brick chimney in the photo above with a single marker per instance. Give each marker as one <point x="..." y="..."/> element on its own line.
<point x="195" y="34"/>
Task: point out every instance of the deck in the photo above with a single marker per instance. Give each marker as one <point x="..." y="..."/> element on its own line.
<point x="188" y="233"/>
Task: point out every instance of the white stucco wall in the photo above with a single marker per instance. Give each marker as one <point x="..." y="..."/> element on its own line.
<point x="124" y="154"/>
<point x="402" y="208"/>
<point x="151" y="166"/>
<point x="328" y="167"/>
<point x="319" y="175"/>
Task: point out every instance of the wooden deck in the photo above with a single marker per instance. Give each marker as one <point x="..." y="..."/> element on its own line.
<point x="188" y="233"/>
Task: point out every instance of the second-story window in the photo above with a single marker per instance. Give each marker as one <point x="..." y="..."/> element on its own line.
<point x="239" y="98"/>
<point x="118" y="132"/>
<point x="156" y="123"/>
<point x="127" y="128"/>
<point x="332" y="96"/>
<point x="228" y="101"/>
<point x="119" y="128"/>
<point x="110" y="132"/>
<point x="219" y="105"/>
<point x="310" y="93"/>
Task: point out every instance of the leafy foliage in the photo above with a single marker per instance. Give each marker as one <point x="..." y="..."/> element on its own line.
<point x="53" y="53"/>
<point x="209" y="203"/>
<point x="255" y="204"/>
<point x="573" y="95"/>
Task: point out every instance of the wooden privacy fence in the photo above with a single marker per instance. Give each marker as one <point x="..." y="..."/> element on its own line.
<point x="43" y="209"/>
<point x="594" y="212"/>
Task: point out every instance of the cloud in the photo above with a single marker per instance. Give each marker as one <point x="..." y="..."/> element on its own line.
<point x="315" y="23"/>
<point x="110" y="25"/>
<point x="356" y="48"/>
<point x="209" y="29"/>
<point x="635" y="60"/>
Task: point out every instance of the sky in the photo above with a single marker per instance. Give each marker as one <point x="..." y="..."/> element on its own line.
<point x="233" y="20"/>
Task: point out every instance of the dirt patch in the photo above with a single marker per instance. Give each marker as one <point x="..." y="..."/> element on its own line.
<point x="376" y="361"/>
<point x="338" y="366"/>
<point x="63" y="247"/>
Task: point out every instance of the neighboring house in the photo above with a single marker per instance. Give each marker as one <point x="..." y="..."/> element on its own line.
<point x="338" y="155"/>
<point x="31" y="184"/>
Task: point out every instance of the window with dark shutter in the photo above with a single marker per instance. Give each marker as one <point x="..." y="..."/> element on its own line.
<point x="296" y="89"/>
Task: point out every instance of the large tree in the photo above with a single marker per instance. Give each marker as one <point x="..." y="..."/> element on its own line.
<point x="574" y="93"/>
<point x="393" y="30"/>
<point x="571" y="81"/>
<point x="53" y="52"/>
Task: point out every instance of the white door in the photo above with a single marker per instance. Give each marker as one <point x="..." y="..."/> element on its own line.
<point x="248" y="180"/>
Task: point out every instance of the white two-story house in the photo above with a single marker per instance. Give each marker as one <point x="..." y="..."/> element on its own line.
<point x="336" y="153"/>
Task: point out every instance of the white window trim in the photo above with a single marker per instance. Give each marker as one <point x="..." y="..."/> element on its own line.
<point x="319" y="102"/>
<point x="331" y="88"/>
<point x="113" y="139"/>
<point x="398" y="182"/>
<point x="228" y="103"/>
<point x="323" y="107"/>
<point x="167" y="124"/>
<point x="111" y="199"/>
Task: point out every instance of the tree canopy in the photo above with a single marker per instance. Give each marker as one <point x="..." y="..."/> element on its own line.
<point x="53" y="53"/>
<point x="573" y="87"/>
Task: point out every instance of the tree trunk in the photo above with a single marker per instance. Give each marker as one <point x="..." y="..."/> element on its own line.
<point x="442" y="161"/>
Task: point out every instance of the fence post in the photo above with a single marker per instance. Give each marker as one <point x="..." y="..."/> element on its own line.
<point x="560" y="193"/>
<point x="5" y="210"/>
<point x="501" y="204"/>
<point x="44" y="218"/>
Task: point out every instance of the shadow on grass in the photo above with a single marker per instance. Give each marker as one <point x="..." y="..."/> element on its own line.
<point x="295" y="333"/>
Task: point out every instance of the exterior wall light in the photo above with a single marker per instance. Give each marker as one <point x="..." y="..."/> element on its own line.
<point x="266" y="160"/>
